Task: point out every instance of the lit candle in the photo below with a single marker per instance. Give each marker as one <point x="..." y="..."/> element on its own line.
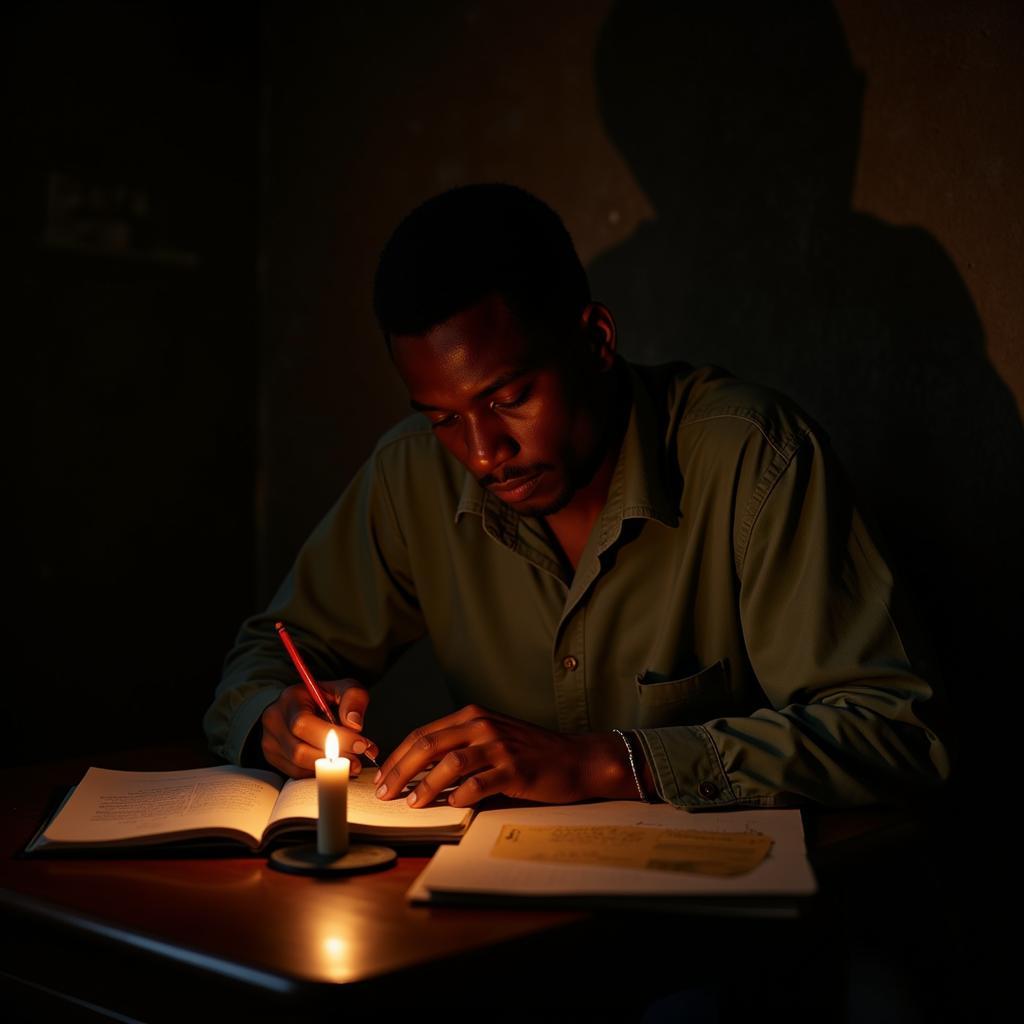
<point x="332" y="800"/>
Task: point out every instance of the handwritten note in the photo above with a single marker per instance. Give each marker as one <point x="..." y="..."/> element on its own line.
<point x="651" y="849"/>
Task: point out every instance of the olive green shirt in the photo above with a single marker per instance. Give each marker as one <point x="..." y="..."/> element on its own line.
<point x="730" y="605"/>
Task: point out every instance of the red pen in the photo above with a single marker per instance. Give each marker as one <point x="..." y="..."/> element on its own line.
<point x="307" y="677"/>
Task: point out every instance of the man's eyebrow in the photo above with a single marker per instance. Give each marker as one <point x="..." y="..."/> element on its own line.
<point x="503" y="380"/>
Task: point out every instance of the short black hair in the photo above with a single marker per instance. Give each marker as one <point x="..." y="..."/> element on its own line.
<point x="469" y="242"/>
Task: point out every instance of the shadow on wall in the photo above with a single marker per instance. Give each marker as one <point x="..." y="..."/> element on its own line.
<point x="744" y="133"/>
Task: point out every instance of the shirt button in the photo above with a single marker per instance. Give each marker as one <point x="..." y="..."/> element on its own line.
<point x="708" y="790"/>
<point x="569" y="663"/>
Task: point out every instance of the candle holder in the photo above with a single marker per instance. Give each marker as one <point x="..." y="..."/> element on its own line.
<point x="307" y="860"/>
<point x="332" y="853"/>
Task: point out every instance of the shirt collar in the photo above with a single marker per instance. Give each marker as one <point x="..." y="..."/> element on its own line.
<point x="637" y="489"/>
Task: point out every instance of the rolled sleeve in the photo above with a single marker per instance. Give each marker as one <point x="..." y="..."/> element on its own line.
<point x="235" y="717"/>
<point x="687" y="769"/>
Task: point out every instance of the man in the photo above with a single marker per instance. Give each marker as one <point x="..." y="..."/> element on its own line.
<point x="640" y="582"/>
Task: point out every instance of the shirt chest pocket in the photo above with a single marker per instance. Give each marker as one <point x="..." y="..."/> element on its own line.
<point x="690" y="700"/>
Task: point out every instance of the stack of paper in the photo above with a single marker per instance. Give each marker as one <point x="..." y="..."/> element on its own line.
<point x="625" y="854"/>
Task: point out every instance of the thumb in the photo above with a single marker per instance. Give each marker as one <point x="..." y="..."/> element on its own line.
<point x="352" y="699"/>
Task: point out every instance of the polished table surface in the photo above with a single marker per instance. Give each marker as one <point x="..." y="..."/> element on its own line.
<point x="153" y="936"/>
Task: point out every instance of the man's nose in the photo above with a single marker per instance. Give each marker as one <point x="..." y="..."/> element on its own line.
<point x="487" y="443"/>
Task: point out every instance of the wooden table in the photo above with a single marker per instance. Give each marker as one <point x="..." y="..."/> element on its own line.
<point x="159" y="938"/>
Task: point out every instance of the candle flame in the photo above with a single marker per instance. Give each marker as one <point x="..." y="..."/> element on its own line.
<point x="332" y="748"/>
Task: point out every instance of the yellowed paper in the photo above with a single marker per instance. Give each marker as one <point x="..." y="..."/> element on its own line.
<point x="653" y="849"/>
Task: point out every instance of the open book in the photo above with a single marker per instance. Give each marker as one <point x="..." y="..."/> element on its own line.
<point x="245" y="805"/>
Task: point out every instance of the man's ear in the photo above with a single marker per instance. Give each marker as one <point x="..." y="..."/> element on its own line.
<point x="598" y="328"/>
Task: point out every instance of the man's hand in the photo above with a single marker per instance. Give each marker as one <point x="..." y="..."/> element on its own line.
<point x="295" y="732"/>
<point x="490" y="753"/>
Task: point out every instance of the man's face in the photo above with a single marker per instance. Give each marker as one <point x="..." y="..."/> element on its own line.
<point x="516" y="414"/>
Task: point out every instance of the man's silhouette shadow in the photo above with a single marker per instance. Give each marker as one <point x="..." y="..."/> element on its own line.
<point x="743" y="130"/>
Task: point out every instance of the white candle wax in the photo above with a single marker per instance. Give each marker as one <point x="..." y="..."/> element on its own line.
<point x="332" y="800"/>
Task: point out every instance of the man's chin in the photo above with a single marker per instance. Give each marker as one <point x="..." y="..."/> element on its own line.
<point x="547" y="507"/>
<point x="538" y="505"/>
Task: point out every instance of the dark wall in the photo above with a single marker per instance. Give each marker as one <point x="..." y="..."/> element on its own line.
<point x="825" y="200"/>
<point x="129" y="248"/>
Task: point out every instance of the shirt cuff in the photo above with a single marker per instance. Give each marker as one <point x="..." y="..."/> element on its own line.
<point x="245" y="718"/>
<point x="686" y="766"/>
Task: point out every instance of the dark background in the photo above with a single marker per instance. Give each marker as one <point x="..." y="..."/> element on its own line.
<point x="825" y="199"/>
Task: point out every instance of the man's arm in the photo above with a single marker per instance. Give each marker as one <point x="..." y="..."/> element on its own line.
<point x="350" y="606"/>
<point x="850" y="721"/>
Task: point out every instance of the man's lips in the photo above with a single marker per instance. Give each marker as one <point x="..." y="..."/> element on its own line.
<point x="514" y="484"/>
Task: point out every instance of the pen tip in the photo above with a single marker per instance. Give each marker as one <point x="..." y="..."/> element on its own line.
<point x="278" y="625"/>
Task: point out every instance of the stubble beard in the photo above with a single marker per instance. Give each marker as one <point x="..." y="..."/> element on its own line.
<point x="578" y="475"/>
<point x="563" y="499"/>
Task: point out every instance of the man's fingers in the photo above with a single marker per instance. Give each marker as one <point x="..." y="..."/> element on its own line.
<point x="455" y="765"/>
<point x="469" y="713"/>
<point x="352" y="705"/>
<point x="351" y="699"/>
<point x="276" y="757"/>
<point x="480" y="785"/>
<point x="424" y="750"/>
<point x="298" y="759"/>
<point x="313" y="730"/>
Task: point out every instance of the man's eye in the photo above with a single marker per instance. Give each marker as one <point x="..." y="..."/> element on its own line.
<point x="452" y="418"/>
<point x="518" y="400"/>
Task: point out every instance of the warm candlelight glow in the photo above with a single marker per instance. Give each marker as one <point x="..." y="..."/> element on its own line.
<point x="332" y="747"/>
<point x="333" y="954"/>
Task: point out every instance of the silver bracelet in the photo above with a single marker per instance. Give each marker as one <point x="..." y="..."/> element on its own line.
<point x="632" y="764"/>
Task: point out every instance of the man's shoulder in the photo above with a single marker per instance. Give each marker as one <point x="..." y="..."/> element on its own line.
<point x="411" y="459"/>
<point x="413" y="431"/>
<point x="711" y="404"/>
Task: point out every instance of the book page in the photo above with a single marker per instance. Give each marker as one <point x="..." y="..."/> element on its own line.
<point x="298" y="800"/>
<point x="112" y="805"/>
